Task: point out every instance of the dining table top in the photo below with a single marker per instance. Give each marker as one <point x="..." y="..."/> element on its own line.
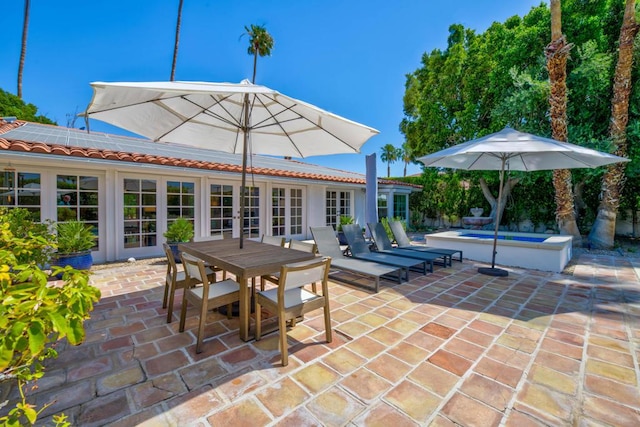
<point x="254" y="259"/>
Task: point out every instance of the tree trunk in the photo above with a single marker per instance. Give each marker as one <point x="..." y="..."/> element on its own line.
<point x="23" y="49"/>
<point x="175" y="46"/>
<point x="493" y="201"/>
<point x="603" y="231"/>
<point x="556" y="53"/>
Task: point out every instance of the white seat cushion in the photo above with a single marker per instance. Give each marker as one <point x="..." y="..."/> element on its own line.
<point x="217" y="289"/>
<point x="292" y="297"/>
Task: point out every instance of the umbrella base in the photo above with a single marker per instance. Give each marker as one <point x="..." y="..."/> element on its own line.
<point x="492" y="271"/>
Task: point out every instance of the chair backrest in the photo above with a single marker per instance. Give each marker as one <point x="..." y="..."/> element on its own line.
<point x="399" y="234"/>
<point x="327" y="242"/>
<point x="303" y="273"/>
<point x="379" y="235"/>
<point x="194" y="268"/>
<point x="273" y="240"/>
<point x="312" y="248"/>
<point x="208" y="238"/>
<point x="354" y="236"/>
<point x="172" y="268"/>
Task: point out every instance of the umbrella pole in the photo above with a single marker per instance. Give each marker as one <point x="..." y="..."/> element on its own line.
<point x="493" y="271"/>
<point x="245" y="144"/>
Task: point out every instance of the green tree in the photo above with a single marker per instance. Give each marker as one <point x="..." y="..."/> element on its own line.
<point x="13" y="106"/>
<point x="557" y="52"/>
<point x="406" y="155"/>
<point x="389" y="155"/>
<point x="483" y="81"/>
<point x="603" y="231"/>
<point x="260" y="44"/>
<point x="177" y="41"/>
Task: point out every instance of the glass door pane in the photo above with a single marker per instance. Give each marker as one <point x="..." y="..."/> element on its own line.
<point x="222" y="210"/>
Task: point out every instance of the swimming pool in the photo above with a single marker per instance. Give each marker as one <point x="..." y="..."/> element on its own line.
<point x="546" y="252"/>
<point x="507" y="237"/>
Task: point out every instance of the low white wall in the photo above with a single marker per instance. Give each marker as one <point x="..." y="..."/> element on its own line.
<point x="551" y="255"/>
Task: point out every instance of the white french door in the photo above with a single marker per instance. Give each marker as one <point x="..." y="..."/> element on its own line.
<point x="224" y="209"/>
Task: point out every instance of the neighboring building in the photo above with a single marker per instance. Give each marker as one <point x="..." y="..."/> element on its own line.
<point x="131" y="188"/>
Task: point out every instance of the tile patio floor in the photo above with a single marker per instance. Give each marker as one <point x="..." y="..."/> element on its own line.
<point x="449" y="348"/>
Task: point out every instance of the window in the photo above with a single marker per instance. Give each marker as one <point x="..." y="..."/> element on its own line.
<point x="296" y="211"/>
<point x="140" y="198"/>
<point x="180" y="201"/>
<point x="338" y="203"/>
<point x="400" y="206"/>
<point x="77" y="198"/>
<point x="21" y="189"/>
<point x="278" y="212"/>
<point x="221" y="209"/>
<point x="251" y="226"/>
<point x="383" y="211"/>
<point x="286" y="212"/>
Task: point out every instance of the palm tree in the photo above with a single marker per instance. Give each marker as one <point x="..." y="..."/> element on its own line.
<point x="557" y="52"/>
<point x="260" y="44"/>
<point x="406" y="155"/>
<point x="175" y="46"/>
<point x="389" y="155"/>
<point x="23" y="49"/>
<point x="603" y="231"/>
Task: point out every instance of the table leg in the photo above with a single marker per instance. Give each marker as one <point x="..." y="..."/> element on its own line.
<point x="245" y="308"/>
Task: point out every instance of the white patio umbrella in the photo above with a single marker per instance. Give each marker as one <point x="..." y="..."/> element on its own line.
<point x="513" y="150"/>
<point x="229" y="117"/>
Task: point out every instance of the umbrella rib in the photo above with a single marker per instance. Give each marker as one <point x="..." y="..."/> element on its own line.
<point x="203" y="110"/>
<point x="277" y="122"/>
<point x="302" y="118"/>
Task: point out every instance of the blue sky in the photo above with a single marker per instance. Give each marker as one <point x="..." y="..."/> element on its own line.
<point x="347" y="57"/>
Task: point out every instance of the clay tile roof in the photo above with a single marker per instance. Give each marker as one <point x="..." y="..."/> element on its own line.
<point x="107" y="154"/>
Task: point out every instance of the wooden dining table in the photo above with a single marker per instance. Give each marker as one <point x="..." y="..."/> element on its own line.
<point x="253" y="260"/>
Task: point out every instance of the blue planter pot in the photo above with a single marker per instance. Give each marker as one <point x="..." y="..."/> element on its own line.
<point x="176" y="252"/>
<point x="79" y="261"/>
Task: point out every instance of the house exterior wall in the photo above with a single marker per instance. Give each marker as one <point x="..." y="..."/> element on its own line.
<point x="111" y="176"/>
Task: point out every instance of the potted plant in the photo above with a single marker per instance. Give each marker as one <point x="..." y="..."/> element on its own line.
<point x="179" y="231"/>
<point x="75" y="240"/>
<point x="344" y="220"/>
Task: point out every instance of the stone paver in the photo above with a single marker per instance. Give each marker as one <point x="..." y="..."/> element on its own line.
<point x="451" y="348"/>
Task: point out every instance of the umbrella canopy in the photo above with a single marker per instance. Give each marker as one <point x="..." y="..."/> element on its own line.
<point x="518" y="151"/>
<point x="513" y="150"/>
<point x="229" y="117"/>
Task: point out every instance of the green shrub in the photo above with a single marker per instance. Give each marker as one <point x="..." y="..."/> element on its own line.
<point x="75" y="236"/>
<point x="35" y="312"/>
<point x="21" y="222"/>
<point x="179" y="231"/>
<point x="345" y="220"/>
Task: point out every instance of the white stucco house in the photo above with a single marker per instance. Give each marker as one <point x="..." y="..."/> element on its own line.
<point x="131" y="188"/>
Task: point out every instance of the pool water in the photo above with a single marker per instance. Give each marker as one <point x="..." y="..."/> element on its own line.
<point x="501" y="237"/>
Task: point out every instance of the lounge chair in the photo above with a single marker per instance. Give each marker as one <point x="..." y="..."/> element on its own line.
<point x="403" y="242"/>
<point x="383" y="245"/>
<point x="327" y="242"/>
<point x="359" y="249"/>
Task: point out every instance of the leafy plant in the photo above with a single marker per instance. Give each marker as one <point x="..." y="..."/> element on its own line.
<point x="387" y="227"/>
<point x="75" y="236"/>
<point x="345" y="220"/>
<point x="35" y="314"/>
<point x="21" y="222"/>
<point x="179" y="231"/>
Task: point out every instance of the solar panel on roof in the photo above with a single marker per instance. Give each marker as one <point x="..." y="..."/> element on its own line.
<point x="33" y="132"/>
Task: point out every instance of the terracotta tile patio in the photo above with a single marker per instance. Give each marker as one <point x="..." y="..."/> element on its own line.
<point x="449" y="348"/>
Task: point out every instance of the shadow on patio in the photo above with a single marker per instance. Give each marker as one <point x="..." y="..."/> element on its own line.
<point x="452" y="346"/>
